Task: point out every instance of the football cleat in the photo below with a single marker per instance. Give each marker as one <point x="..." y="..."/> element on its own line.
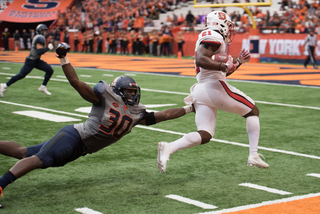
<point x="3" y="88"/>
<point x="255" y="161"/>
<point x="164" y="152"/>
<point x="44" y="90"/>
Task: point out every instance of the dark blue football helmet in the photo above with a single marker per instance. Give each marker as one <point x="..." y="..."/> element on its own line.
<point x="121" y="85"/>
<point x="41" y="28"/>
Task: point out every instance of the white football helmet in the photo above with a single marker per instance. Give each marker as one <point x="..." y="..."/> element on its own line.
<point x="220" y="21"/>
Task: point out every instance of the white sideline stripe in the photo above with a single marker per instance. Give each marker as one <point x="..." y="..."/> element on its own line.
<point x="86" y="210"/>
<point x="108" y="75"/>
<point x="82" y="75"/>
<point x="61" y="76"/>
<point x="173" y="132"/>
<point x="268" y="189"/>
<point x="264" y="203"/>
<point x="46" y="116"/>
<point x="6" y="68"/>
<point x="191" y="201"/>
<point x="314" y="175"/>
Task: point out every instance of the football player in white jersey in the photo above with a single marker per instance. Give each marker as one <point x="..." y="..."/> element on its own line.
<point x="116" y="109"/>
<point x="212" y="92"/>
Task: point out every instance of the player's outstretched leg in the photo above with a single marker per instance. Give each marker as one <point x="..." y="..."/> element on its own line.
<point x="43" y="89"/>
<point x="164" y="152"/>
<point x="255" y="161"/>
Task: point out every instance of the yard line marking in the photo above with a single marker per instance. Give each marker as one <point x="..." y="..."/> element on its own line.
<point x="314" y="175"/>
<point x="288" y="105"/>
<point x="236" y="144"/>
<point x="86" y="210"/>
<point x="61" y="76"/>
<point x="82" y="75"/>
<point x="191" y="201"/>
<point x="180" y="93"/>
<point x="46" y="116"/>
<point x="173" y="132"/>
<point x="268" y="189"/>
<point x="108" y="75"/>
<point x="264" y="203"/>
<point x="45" y="109"/>
<point x="6" y="68"/>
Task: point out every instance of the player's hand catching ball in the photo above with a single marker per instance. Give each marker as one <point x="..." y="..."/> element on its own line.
<point x="62" y="49"/>
<point x="244" y="56"/>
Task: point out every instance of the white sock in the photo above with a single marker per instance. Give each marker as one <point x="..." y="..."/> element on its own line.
<point x="5" y="85"/>
<point x="187" y="141"/>
<point x="253" y="130"/>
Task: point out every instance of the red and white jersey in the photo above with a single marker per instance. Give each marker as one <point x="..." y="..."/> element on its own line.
<point x="210" y="37"/>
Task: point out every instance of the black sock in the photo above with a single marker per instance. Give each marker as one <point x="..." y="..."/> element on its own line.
<point x="6" y="179"/>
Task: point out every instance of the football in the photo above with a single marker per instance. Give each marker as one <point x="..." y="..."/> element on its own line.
<point x="222" y="58"/>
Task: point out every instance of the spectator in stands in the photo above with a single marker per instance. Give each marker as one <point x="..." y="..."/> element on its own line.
<point x="133" y="42"/>
<point x="180" y="42"/>
<point x="140" y="44"/>
<point x="90" y="37"/>
<point x="125" y="42"/>
<point x="181" y="20"/>
<point x="190" y="20"/>
<point x="5" y="39"/>
<point x="25" y="37"/>
<point x="310" y="44"/>
<point x="99" y="43"/>
<point x="154" y="40"/>
<point x="16" y="37"/>
<point x="174" y="19"/>
<point x="84" y="42"/>
<point x="66" y="36"/>
<point x="76" y="40"/>
<point x="167" y="39"/>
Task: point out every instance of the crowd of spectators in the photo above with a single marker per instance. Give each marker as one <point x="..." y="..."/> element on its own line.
<point x="95" y="24"/>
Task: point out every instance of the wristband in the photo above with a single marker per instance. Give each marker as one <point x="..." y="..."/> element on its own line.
<point x="188" y="108"/>
<point x="64" y="61"/>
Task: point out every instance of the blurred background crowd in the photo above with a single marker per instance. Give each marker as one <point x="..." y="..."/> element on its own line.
<point x="152" y="26"/>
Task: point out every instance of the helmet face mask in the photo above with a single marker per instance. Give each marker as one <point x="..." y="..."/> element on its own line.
<point x="221" y="22"/>
<point x="127" y="88"/>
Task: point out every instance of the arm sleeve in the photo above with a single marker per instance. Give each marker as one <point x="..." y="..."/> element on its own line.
<point x="150" y="118"/>
<point x="98" y="89"/>
<point x="42" y="51"/>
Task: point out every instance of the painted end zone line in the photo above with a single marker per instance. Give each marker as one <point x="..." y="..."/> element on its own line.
<point x="268" y="189"/>
<point x="86" y="210"/>
<point x="246" y="207"/>
<point x="190" y="201"/>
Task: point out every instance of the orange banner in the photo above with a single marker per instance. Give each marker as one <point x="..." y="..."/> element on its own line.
<point x="30" y="11"/>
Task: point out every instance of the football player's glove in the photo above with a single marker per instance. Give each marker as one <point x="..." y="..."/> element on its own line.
<point x="232" y="65"/>
<point x="62" y="49"/>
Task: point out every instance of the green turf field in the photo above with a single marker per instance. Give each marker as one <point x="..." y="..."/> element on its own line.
<point x="124" y="177"/>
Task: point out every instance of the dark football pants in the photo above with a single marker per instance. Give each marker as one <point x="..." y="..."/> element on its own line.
<point x="310" y="57"/>
<point x="27" y="68"/>
<point x="66" y="146"/>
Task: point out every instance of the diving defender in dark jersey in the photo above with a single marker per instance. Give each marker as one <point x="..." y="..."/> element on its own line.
<point x="116" y="109"/>
<point x="38" y="47"/>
